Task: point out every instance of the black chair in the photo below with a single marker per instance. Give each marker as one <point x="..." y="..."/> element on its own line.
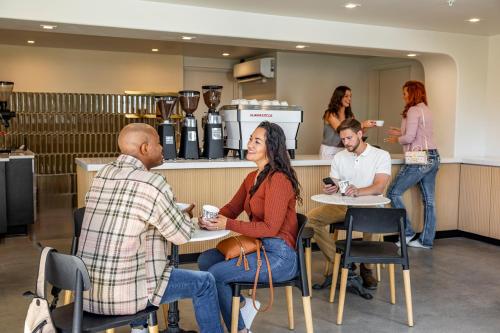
<point x="78" y="215"/>
<point x="301" y="281"/>
<point x="374" y="220"/>
<point x="69" y="272"/>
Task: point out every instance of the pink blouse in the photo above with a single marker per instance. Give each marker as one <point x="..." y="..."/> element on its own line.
<point x="414" y="133"/>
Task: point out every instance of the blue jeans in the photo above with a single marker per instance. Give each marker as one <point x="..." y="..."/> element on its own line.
<point x="283" y="262"/>
<point x="425" y="177"/>
<point x="200" y="286"/>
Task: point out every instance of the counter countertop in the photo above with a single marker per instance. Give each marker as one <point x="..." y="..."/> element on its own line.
<point x="94" y="164"/>
<point x="16" y="154"/>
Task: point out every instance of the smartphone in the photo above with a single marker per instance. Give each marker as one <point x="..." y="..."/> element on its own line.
<point x="328" y="181"/>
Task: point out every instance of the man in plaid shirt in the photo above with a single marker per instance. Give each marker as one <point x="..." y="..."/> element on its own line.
<point x="129" y="218"/>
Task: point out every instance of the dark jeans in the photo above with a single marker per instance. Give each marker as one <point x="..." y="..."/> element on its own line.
<point x="425" y="177"/>
<point x="200" y="286"/>
<point x="283" y="262"/>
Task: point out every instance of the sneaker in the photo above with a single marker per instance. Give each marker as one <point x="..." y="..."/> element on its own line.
<point x="408" y="239"/>
<point x="140" y="329"/>
<point x="416" y="243"/>
<point x="248" y="312"/>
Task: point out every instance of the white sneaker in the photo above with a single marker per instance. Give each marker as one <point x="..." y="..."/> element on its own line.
<point x="416" y="243"/>
<point x="248" y="312"/>
<point x="408" y="239"/>
<point x="139" y="330"/>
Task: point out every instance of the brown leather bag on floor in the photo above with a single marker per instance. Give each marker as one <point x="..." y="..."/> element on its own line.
<point x="241" y="246"/>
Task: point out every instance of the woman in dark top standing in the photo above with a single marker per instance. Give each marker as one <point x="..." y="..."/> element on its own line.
<point x="268" y="195"/>
<point x="338" y="110"/>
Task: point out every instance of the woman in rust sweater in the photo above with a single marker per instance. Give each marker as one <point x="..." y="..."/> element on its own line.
<point x="268" y="196"/>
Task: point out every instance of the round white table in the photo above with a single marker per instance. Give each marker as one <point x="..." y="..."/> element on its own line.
<point x="361" y="201"/>
<point x="199" y="235"/>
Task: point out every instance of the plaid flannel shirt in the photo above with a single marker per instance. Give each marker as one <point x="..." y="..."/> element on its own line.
<point x="130" y="214"/>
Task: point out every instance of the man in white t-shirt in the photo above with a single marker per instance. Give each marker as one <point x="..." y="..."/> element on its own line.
<point x="368" y="170"/>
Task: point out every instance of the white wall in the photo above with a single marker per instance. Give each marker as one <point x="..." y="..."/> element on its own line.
<point x="470" y="53"/>
<point x="492" y="113"/>
<point x="65" y="70"/>
<point x="309" y="80"/>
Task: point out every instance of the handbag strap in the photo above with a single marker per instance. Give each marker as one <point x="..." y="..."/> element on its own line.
<point x="425" y="135"/>
<point x="271" y="289"/>
<point x="40" y="280"/>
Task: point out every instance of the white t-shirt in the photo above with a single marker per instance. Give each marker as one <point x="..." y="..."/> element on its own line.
<point x="360" y="170"/>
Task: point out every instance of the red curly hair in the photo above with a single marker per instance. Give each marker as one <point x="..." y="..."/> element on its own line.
<point x="416" y="93"/>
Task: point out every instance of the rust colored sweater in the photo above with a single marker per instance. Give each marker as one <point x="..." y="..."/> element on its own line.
<point x="271" y="209"/>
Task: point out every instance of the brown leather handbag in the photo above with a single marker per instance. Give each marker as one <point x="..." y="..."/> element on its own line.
<point x="241" y="246"/>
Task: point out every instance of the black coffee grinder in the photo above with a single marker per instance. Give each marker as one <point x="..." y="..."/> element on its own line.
<point x="165" y="105"/>
<point x="5" y="91"/>
<point x="189" y="148"/>
<point x="213" y="145"/>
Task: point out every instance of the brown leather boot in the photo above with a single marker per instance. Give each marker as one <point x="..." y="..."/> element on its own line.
<point x="369" y="281"/>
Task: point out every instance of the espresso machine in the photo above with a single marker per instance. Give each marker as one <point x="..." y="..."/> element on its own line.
<point x="5" y="91"/>
<point x="189" y="148"/>
<point x="213" y="145"/>
<point x="165" y="105"/>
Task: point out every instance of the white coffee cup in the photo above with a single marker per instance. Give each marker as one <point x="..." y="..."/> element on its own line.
<point x="209" y="211"/>
<point x="182" y="206"/>
<point x="379" y="123"/>
<point x="343" y="185"/>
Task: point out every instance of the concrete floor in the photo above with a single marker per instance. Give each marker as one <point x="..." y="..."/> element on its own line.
<point x="455" y="288"/>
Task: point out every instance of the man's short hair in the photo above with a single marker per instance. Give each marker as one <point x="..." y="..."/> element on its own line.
<point x="349" y="123"/>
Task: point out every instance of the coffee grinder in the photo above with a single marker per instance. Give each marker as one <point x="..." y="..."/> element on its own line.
<point x="5" y="91"/>
<point x="189" y="148"/>
<point x="165" y="105"/>
<point x="213" y="145"/>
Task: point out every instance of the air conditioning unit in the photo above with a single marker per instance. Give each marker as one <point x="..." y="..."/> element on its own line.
<point x="254" y="70"/>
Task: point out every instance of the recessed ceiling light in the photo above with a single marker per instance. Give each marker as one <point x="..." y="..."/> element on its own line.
<point x="155" y="50"/>
<point x="352" y="5"/>
<point x="187" y="37"/>
<point x="31" y="42"/>
<point x="48" y="26"/>
<point x="301" y="46"/>
<point x="474" y="20"/>
<point x="225" y="54"/>
<point x="411" y="55"/>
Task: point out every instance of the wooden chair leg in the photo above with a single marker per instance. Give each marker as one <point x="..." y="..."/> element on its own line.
<point x="289" y="303"/>
<point x="235" y="313"/>
<point x="378" y="273"/>
<point x="308" y="268"/>
<point x="153" y="323"/>
<point x="164" y="310"/>
<point x="306" y="301"/>
<point x="67" y="297"/>
<point x="153" y="329"/>
<point x="335" y="275"/>
<point x="392" y="284"/>
<point x="110" y="330"/>
<point x="327" y="268"/>
<point x="409" y="306"/>
<point x="343" y="285"/>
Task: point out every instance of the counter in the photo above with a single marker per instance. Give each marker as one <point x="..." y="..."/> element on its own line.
<point x="215" y="182"/>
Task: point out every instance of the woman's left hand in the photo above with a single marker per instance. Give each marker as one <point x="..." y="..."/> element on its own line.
<point x="391" y="139"/>
<point x="368" y="124"/>
<point x="217" y="223"/>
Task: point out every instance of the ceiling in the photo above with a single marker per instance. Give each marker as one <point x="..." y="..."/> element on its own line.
<point x="435" y="15"/>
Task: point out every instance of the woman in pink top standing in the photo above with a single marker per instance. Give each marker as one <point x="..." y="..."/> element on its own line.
<point x="416" y="134"/>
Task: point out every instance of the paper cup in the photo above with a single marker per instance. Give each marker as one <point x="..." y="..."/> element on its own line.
<point x="379" y="123"/>
<point x="343" y="184"/>
<point x="209" y="211"/>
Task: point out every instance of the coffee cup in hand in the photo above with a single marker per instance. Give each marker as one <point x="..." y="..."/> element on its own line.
<point x="209" y="212"/>
<point x="379" y="123"/>
<point x="343" y="185"/>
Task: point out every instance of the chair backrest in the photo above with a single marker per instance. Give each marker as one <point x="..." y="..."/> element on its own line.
<point x="77" y="228"/>
<point x="63" y="271"/>
<point x="375" y="220"/>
